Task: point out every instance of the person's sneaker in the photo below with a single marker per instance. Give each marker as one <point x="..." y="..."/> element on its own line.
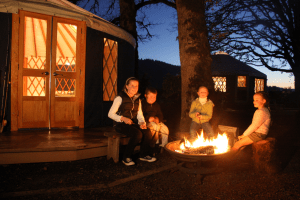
<point x="128" y="161"/>
<point x="148" y="159"/>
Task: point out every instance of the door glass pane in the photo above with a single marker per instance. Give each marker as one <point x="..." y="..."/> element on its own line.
<point x="35" y="37"/>
<point x="66" y="47"/>
<point x="33" y="86"/>
<point x="65" y="87"/>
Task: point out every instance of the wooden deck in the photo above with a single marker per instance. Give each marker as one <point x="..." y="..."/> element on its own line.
<point x="32" y="146"/>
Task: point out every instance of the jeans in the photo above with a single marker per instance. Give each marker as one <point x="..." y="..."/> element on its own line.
<point x="137" y="135"/>
<point x="205" y="126"/>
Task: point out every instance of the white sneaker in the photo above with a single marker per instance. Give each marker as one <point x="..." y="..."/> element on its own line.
<point x="148" y="159"/>
<point x="128" y="161"/>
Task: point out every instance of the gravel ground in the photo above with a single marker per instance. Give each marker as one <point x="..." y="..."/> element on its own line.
<point x="98" y="178"/>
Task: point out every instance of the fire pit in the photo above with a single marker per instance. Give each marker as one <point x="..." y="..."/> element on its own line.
<point x="172" y="146"/>
<point x="189" y="161"/>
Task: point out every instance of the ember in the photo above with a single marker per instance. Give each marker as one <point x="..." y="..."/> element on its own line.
<point x="201" y="150"/>
<point x="201" y="145"/>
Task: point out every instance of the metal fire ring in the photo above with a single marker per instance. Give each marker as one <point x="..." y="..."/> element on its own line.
<point x="170" y="147"/>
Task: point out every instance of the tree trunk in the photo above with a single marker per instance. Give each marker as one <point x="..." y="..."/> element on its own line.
<point x="195" y="55"/>
<point x="128" y="22"/>
<point x="296" y="72"/>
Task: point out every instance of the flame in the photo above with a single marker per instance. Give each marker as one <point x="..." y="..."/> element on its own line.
<point x="220" y="143"/>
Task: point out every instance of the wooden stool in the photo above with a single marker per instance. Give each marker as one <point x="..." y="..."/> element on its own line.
<point x="115" y="139"/>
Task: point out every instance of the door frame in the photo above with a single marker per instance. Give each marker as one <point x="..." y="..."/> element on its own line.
<point x="16" y="55"/>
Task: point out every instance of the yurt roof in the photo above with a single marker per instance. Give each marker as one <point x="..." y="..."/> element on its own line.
<point x="64" y="8"/>
<point x="224" y="64"/>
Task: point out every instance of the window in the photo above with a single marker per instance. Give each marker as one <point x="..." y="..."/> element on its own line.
<point x="220" y="83"/>
<point x="35" y="30"/>
<point x="241" y="81"/>
<point x="259" y="85"/>
<point x="110" y="69"/>
<point x="66" y="59"/>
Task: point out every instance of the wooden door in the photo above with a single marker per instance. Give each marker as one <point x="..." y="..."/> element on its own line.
<point x="65" y="73"/>
<point x="34" y="68"/>
<point x="51" y="76"/>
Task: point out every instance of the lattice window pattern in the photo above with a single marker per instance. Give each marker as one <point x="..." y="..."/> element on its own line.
<point x="259" y="85"/>
<point x="65" y="87"/>
<point x="242" y="81"/>
<point x="34" y="62"/>
<point x="220" y="83"/>
<point x="110" y="69"/>
<point x="33" y="86"/>
<point x="66" y="64"/>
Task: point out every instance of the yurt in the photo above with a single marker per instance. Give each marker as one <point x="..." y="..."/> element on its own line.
<point x="236" y="79"/>
<point x="61" y="66"/>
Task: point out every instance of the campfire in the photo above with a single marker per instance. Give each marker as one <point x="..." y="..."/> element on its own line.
<point x="204" y="146"/>
<point x="201" y="155"/>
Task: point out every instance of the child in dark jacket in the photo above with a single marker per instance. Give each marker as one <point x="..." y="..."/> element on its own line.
<point x="154" y="116"/>
<point x="129" y="120"/>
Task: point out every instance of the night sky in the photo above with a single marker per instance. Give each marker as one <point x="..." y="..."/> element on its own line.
<point x="164" y="46"/>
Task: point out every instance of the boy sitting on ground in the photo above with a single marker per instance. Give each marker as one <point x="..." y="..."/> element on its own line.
<point x="154" y="116"/>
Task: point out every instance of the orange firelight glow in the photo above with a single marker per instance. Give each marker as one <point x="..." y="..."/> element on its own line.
<point x="220" y="143"/>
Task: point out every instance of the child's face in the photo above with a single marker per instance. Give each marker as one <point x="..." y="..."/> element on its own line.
<point x="202" y="92"/>
<point x="132" y="87"/>
<point x="150" y="97"/>
<point x="258" y="101"/>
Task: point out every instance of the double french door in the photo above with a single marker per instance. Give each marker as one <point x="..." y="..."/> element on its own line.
<point x="50" y="83"/>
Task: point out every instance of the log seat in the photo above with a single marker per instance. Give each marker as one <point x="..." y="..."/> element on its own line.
<point x="264" y="156"/>
<point x="115" y="139"/>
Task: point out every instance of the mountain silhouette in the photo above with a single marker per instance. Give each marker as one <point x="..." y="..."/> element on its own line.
<point x="155" y="71"/>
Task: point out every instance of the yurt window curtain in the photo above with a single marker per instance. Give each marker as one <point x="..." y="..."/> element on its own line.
<point x="241" y="81"/>
<point x="259" y="85"/>
<point x="110" y="69"/>
<point x="219" y="83"/>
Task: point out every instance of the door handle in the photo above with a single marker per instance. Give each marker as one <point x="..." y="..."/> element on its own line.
<point x="56" y="74"/>
<point x="46" y="73"/>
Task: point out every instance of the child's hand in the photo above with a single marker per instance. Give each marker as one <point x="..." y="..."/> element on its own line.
<point x="127" y="120"/>
<point x="143" y="126"/>
<point x="198" y="116"/>
<point x="240" y="137"/>
<point x="151" y="119"/>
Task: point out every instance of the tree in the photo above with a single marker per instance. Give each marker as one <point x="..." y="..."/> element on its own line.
<point x="259" y="32"/>
<point x="128" y="22"/>
<point x="194" y="47"/>
<point x="194" y="50"/>
<point x="123" y="13"/>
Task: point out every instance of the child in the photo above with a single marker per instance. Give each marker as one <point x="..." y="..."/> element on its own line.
<point x="259" y="127"/>
<point x="129" y="120"/>
<point x="201" y="112"/>
<point x="153" y="115"/>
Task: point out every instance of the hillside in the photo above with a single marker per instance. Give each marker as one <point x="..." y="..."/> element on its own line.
<point x="155" y="71"/>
